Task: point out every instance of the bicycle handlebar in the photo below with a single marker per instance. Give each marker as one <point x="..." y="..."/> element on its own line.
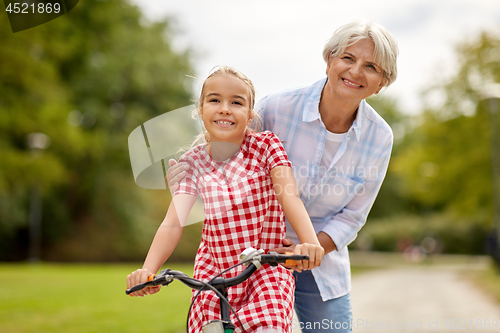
<point x="166" y="276"/>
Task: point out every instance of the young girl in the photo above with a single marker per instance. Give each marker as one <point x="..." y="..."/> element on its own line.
<point x="242" y="178"/>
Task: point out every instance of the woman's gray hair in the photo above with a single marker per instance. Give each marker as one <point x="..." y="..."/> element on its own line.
<point x="386" y="46"/>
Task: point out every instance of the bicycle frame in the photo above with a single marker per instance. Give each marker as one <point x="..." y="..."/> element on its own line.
<point x="253" y="258"/>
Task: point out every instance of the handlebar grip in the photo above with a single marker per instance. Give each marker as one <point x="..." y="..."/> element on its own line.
<point x="293" y="262"/>
<point x="135" y="288"/>
<point x="142" y="285"/>
<point x="290" y="262"/>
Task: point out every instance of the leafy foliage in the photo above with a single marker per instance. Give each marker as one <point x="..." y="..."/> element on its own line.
<point x="86" y="80"/>
<point x="390" y="199"/>
<point x="446" y="162"/>
<point x="451" y="235"/>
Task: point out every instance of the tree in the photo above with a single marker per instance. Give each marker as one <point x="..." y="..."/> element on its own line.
<point x="86" y="80"/>
<point x="390" y="200"/>
<point x="446" y="160"/>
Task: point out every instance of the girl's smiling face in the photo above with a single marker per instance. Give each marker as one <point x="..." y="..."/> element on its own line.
<point x="226" y="108"/>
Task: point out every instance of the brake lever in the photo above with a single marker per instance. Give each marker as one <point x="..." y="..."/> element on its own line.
<point x="163" y="278"/>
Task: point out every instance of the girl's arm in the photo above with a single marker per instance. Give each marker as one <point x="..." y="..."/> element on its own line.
<point x="288" y="196"/>
<point x="164" y="242"/>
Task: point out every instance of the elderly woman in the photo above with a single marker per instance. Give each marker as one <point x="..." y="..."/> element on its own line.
<point x="340" y="149"/>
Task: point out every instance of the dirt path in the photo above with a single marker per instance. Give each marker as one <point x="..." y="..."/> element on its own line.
<point x="420" y="299"/>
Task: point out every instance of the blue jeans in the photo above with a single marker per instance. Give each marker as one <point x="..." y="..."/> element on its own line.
<point x="314" y="315"/>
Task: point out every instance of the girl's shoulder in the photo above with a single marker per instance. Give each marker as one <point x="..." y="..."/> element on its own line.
<point x="263" y="141"/>
<point x="194" y="153"/>
<point x="265" y="136"/>
<point x="267" y="150"/>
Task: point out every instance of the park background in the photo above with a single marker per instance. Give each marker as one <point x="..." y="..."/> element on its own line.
<point x="88" y="78"/>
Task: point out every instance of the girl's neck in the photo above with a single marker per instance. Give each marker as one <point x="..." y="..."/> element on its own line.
<point x="221" y="151"/>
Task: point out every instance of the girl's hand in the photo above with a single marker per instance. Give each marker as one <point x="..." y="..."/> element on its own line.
<point x="141" y="276"/>
<point x="315" y="253"/>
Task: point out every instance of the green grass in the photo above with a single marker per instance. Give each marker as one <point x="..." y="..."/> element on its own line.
<point x="488" y="280"/>
<point x="355" y="270"/>
<point x="86" y="298"/>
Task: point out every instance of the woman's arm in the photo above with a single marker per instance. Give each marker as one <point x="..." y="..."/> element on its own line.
<point x="164" y="242"/>
<point x="286" y="191"/>
<point x="344" y="226"/>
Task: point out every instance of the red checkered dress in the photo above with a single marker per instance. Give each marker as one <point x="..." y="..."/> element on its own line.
<point x="241" y="211"/>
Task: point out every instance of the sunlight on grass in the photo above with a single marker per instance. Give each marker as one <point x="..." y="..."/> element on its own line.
<point x="86" y="298"/>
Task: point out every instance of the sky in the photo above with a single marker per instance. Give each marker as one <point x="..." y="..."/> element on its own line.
<point x="278" y="43"/>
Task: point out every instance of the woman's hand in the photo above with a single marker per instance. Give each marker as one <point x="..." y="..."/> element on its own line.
<point x="315" y="253"/>
<point x="141" y="276"/>
<point x="175" y="173"/>
<point x="288" y="247"/>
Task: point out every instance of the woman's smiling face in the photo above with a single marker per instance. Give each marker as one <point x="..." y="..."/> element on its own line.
<point x="355" y="74"/>
<point x="226" y="108"/>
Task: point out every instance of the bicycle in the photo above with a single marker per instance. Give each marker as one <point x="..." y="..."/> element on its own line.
<point x="254" y="259"/>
